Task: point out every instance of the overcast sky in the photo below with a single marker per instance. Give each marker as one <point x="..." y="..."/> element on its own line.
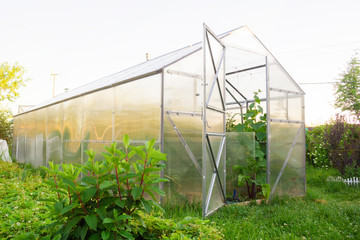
<point x="82" y="41"/>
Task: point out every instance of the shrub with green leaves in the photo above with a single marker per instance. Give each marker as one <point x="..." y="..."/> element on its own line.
<point x="254" y="120"/>
<point x="110" y="194"/>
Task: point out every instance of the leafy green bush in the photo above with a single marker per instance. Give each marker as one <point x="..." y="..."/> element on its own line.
<point x="6" y="126"/>
<point x="254" y="121"/>
<point x="109" y="196"/>
<point x="22" y="215"/>
<point x="317" y="148"/>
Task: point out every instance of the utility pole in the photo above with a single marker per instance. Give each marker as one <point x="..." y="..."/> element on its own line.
<point x="54" y="75"/>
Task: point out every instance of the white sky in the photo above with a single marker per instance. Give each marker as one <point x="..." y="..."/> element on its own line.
<point x="84" y="40"/>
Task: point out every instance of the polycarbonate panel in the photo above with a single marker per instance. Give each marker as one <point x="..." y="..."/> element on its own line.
<point x="40" y="137"/>
<point x="279" y="79"/>
<point x="53" y="122"/>
<point x="185" y="185"/>
<point x="30" y="138"/>
<point x="239" y="147"/>
<point x="243" y="38"/>
<point x="73" y="118"/>
<point x="182" y="102"/>
<point x="295" y="110"/>
<point x="138" y="108"/>
<point x="15" y="144"/>
<point x="21" y="139"/>
<point x="98" y="115"/>
<point x="212" y="181"/>
<point x="292" y="181"/>
<point x="215" y="122"/>
<point x="71" y="152"/>
<point x="53" y="143"/>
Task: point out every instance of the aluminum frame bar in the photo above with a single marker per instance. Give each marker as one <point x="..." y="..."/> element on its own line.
<point x="246" y="69"/>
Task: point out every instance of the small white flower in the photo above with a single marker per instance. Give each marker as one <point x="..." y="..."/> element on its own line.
<point x="18" y="223"/>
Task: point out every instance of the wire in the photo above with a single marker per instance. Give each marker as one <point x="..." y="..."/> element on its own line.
<point x="318" y="83"/>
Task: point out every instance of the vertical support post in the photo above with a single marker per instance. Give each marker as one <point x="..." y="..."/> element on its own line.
<point x="162" y="128"/>
<point x="82" y="129"/>
<point x="304" y="139"/>
<point x="204" y="126"/>
<point x="224" y="126"/>
<point x="113" y="115"/>
<point x="46" y="138"/>
<point x="268" y="142"/>
<point x="61" y="131"/>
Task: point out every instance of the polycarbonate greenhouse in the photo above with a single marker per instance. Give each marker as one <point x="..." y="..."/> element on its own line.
<point x="182" y="100"/>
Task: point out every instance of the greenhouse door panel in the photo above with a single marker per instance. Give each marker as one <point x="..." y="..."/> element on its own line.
<point x="213" y="161"/>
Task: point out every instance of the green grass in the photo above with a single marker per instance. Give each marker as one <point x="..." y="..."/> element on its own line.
<point x="328" y="211"/>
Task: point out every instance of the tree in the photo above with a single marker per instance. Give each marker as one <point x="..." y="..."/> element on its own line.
<point x="348" y="89"/>
<point x="11" y="79"/>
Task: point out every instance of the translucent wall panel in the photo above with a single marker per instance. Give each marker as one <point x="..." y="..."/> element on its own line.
<point x="137" y="109"/>
<point x="40" y="138"/>
<point x="98" y="148"/>
<point x="292" y="179"/>
<point x="98" y="112"/>
<point x="21" y="139"/>
<point x="73" y="117"/>
<point x="239" y="146"/>
<point x="185" y="178"/>
<point x="30" y="137"/>
<point x="286" y="136"/>
<point x="183" y="130"/>
<point x="53" y="143"/>
<point x="15" y="147"/>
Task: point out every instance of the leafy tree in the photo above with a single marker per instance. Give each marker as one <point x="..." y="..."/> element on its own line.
<point x="11" y="79"/>
<point x="348" y="89"/>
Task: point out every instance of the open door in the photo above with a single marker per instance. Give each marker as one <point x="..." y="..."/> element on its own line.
<point x="213" y="107"/>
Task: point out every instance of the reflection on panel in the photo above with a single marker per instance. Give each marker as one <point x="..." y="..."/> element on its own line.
<point x="53" y="150"/>
<point x="72" y="119"/>
<point x="71" y="152"/>
<point x="239" y="147"/>
<point x="292" y="181"/>
<point x="54" y="122"/>
<point x="137" y="109"/>
<point x="98" y="108"/>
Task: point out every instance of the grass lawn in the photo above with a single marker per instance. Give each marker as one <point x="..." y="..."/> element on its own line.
<point x="329" y="211"/>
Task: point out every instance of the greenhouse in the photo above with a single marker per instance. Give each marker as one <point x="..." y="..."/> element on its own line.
<point x="183" y="99"/>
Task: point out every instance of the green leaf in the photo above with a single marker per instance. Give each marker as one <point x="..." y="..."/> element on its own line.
<point x="123" y="217"/>
<point x="108" y="220"/>
<point x="95" y="236"/>
<point x="68" y="208"/>
<point x="126" y="234"/>
<point x="146" y="205"/>
<point x="83" y="232"/>
<point x="89" y="180"/>
<point x="136" y="192"/>
<point x="69" y="183"/>
<point x="91" y="220"/>
<point x="157" y="205"/>
<point x="88" y="194"/>
<point x="58" y="206"/>
<point x="101" y="211"/>
<point x="126" y="141"/>
<point x="120" y="203"/>
<point x="106" y="184"/>
<point x="156" y="190"/>
<point x="139" y="151"/>
<point x="107" y="201"/>
<point x="149" y="145"/>
<point x="105" y="235"/>
<point x="72" y="223"/>
<point x="152" y="169"/>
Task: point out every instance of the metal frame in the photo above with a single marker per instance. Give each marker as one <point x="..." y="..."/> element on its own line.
<point x="207" y="149"/>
